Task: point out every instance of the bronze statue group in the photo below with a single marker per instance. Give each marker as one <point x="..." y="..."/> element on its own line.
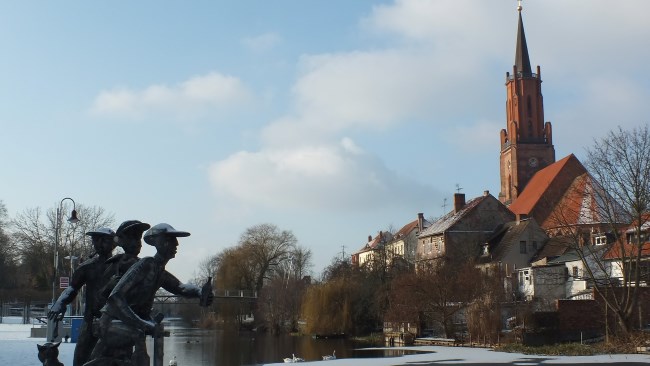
<point x="120" y="292"/>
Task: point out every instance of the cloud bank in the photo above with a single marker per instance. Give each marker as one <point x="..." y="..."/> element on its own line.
<point x="195" y="97"/>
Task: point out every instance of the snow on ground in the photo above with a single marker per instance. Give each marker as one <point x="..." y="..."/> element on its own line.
<point x="18" y="349"/>
<point x="462" y="355"/>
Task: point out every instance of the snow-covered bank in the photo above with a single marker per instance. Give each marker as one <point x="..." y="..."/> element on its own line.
<point x="460" y="355"/>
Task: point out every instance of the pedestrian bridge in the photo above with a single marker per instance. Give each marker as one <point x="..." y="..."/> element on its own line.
<point x="218" y="294"/>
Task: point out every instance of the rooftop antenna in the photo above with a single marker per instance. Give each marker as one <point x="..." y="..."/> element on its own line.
<point x="458" y="188"/>
<point x="519" y="7"/>
<point x="444" y="206"/>
<point x="342" y="251"/>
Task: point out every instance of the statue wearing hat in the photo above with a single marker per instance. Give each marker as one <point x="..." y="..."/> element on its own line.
<point x="126" y="317"/>
<point x="128" y="236"/>
<point x="91" y="274"/>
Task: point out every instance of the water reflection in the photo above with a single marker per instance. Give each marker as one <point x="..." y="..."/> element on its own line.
<point x="231" y="347"/>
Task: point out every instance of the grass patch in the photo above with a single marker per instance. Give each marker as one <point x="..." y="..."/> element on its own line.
<point x="626" y="345"/>
<point x="564" y="349"/>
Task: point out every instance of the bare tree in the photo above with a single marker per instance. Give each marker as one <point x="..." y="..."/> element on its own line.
<point x="620" y="164"/>
<point x="436" y="293"/>
<point x="34" y="234"/>
<point x="8" y="255"/>
<point x="595" y="212"/>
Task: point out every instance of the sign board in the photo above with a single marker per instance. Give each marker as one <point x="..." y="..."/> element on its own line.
<point x="64" y="282"/>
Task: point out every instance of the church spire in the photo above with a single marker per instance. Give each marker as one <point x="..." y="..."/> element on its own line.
<point x="522" y="61"/>
<point x="527" y="141"/>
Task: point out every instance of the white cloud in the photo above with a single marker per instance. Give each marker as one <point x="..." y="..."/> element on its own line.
<point x="324" y="177"/>
<point x="262" y="42"/>
<point x="194" y="97"/>
<point x="372" y="90"/>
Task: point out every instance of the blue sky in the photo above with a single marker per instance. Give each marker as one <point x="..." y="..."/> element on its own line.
<point x="334" y="119"/>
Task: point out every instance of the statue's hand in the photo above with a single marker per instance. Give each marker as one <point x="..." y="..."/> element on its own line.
<point x="148" y="327"/>
<point x="56" y="312"/>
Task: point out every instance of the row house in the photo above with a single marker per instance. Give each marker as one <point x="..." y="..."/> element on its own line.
<point x="400" y="251"/>
<point x="396" y="249"/>
<point x="461" y="233"/>
<point x="372" y="250"/>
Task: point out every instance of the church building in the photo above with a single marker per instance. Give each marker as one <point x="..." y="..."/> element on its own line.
<point x="557" y="194"/>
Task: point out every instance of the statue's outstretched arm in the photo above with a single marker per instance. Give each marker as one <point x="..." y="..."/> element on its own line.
<point x="174" y="285"/>
<point x="69" y="294"/>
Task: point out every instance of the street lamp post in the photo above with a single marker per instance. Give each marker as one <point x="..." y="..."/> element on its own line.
<point x="52" y="324"/>
<point x="73" y="220"/>
<point x="72" y="258"/>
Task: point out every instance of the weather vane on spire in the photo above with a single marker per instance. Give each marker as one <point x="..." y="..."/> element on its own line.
<point x="519" y="7"/>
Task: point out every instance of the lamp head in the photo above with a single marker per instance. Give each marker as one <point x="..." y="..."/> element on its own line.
<point x="73" y="217"/>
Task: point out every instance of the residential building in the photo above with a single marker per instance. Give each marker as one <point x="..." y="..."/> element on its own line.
<point x="372" y="250"/>
<point x="400" y="251"/>
<point x="512" y="246"/>
<point x="623" y="258"/>
<point x="396" y="249"/>
<point x="460" y="234"/>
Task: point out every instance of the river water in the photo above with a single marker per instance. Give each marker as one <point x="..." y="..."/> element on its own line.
<point x="196" y="347"/>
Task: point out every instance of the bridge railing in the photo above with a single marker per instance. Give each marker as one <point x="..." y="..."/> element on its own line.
<point x="218" y="293"/>
<point x="235" y="293"/>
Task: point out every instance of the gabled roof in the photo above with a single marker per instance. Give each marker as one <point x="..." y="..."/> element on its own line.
<point x="445" y="222"/>
<point x="576" y="254"/>
<point x="408" y="228"/>
<point x="554" y="247"/>
<point x="539" y="186"/>
<point x="582" y="204"/>
<point x="374" y="243"/>
<point x="645" y="224"/>
<point x="505" y="237"/>
<point x="616" y="251"/>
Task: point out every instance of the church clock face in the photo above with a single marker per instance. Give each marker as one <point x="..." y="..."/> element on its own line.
<point x="532" y="162"/>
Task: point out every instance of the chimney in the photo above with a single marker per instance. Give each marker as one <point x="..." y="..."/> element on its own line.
<point x="486" y="193"/>
<point x="420" y="221"/>
<point x="459" y="201"/>
<point x="369" y="238"/>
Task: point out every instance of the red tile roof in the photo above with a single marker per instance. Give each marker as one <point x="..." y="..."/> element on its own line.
<point x="627" y="250"/>
<point x="406" y="229"/>
<point x="540" y="185"/>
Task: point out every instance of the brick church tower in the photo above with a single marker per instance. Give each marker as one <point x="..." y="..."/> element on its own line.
<point x="526" y="143"/>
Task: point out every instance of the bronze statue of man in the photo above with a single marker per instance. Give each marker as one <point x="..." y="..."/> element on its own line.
<point x="129" y="237"/>
<point x="126" y="317"/>
<point x="91" y="274"/>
